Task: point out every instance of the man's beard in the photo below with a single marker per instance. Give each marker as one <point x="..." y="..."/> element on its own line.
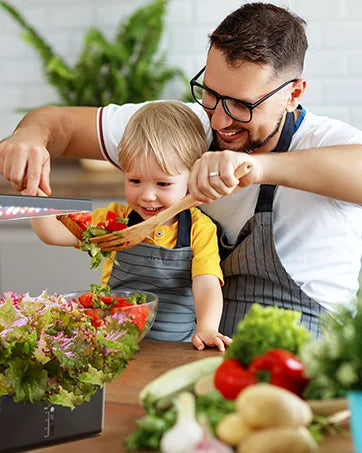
<point x="251" y="145"/>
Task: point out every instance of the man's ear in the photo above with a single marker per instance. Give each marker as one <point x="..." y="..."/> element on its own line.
<point x="296" y="94"/>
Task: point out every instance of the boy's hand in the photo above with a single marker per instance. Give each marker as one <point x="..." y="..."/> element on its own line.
<point x="210" y="338"/>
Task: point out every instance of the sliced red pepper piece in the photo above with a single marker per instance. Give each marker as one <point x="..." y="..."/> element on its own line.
<point x="114" y="222"/>
<point x="231" y="378"/>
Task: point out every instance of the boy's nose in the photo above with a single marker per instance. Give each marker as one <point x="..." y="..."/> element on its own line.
<point x="149" y="194"/>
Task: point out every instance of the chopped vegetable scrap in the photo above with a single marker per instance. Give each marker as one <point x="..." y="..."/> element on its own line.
<point x="112" y="224"/>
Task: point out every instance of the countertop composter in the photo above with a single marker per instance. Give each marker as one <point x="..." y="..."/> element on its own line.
<point x="24" y="425"/>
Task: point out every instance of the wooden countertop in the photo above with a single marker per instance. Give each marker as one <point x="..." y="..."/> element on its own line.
<point x="122" y="406"/>
<point x="69" y="178"/>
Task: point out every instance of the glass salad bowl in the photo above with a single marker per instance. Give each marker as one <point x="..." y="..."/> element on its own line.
<point x="137" y="307"/>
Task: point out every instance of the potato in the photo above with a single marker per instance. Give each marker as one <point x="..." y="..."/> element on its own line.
<point x="205" y="385"/>
<point x="232" y="429"/>
<point x="264" y="405"/>
<point x="279" y="439"/>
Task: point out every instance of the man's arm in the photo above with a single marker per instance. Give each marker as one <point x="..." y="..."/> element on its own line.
<point x="333" y="171"/>
<point x="42" y="134"/>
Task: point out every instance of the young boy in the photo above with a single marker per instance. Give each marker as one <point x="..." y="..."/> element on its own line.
<point x="180" y="262"/>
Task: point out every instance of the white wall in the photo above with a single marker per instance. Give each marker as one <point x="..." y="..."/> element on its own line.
<point x="333" y="66"/>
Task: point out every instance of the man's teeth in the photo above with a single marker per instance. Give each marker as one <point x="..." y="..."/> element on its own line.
<point x="229" y="134"/>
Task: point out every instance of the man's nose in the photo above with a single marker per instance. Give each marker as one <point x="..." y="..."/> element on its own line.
<point x="219" y="119"/>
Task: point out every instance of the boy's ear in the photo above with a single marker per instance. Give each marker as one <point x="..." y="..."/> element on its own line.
<point x="296" y="94"/>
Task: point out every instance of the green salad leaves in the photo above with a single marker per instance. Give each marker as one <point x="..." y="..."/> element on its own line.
<point x="50" y="352"/>
<point x="268" y="328"/>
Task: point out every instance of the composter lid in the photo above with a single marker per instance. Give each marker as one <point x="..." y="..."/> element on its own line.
<point x="24" y="206"/>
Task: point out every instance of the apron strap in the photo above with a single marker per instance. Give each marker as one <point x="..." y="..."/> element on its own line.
<point x="184" y="229"/>
<point x="266" y="192"/>
<point x="184" y="226"/>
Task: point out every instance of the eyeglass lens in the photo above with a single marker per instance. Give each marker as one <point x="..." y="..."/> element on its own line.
<point x="208" y="100"/>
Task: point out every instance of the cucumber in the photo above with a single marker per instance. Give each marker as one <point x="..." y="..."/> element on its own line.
<point x="160" y="393"/>
<point x="97" y="231"/>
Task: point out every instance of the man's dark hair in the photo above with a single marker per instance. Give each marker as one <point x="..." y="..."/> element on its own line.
<point x="262" y="33"/>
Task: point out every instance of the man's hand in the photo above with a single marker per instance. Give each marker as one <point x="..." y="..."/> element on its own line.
<point x="25" y="165"/>
<point x="212" y="176"/>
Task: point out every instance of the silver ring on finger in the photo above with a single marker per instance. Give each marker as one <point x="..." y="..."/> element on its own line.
<point x="213" y="173"/>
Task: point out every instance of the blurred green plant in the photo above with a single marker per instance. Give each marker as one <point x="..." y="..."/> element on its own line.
<point x="129" y="69"/>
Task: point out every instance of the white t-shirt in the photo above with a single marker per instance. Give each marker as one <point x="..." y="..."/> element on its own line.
<point x="318" y="239"/>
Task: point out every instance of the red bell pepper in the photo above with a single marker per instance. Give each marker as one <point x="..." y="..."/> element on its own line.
<point x="285" y="369"/>
<point x="231" y="378"/>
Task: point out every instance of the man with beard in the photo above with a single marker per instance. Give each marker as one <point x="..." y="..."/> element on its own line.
<point x="292" y="236"/>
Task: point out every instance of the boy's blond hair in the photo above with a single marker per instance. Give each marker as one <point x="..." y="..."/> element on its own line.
<point x="168" y="132"/>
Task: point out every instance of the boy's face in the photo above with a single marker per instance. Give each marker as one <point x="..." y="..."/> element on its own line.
<point x="151" y="190"/>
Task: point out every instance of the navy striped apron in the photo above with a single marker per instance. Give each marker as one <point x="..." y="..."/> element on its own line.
<point x="165" y="272"/>
<point x="252" y="269"/>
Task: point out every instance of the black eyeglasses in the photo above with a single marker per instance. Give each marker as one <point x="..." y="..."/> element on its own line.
<point x="238" y="110"/>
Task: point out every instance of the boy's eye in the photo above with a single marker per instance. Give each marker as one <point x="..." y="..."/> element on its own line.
<point x="134" y="181"/>
<point x="163" y="184"/>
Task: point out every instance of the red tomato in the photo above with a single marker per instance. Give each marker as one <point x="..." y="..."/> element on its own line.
<point x="86" y="300"/>
<point x="83" y="219"/>
<point x="231" y="378"/>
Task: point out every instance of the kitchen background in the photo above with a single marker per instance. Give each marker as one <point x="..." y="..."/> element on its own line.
<point x="333" y="70"/>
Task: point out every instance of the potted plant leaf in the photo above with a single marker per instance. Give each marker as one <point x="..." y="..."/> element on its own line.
<point x="129" y="68"/>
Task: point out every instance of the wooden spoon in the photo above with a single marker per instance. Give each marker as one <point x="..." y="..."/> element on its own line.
<point x="135" y="234"/>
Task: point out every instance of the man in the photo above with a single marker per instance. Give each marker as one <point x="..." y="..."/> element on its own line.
<point x="292" y="236"/>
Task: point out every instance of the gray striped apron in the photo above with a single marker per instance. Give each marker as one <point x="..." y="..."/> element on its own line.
<point x="165" y="272"/>
<point x="252" y="269"/>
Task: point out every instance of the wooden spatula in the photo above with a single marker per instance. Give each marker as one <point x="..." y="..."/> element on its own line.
<point x="135" y="234"/>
